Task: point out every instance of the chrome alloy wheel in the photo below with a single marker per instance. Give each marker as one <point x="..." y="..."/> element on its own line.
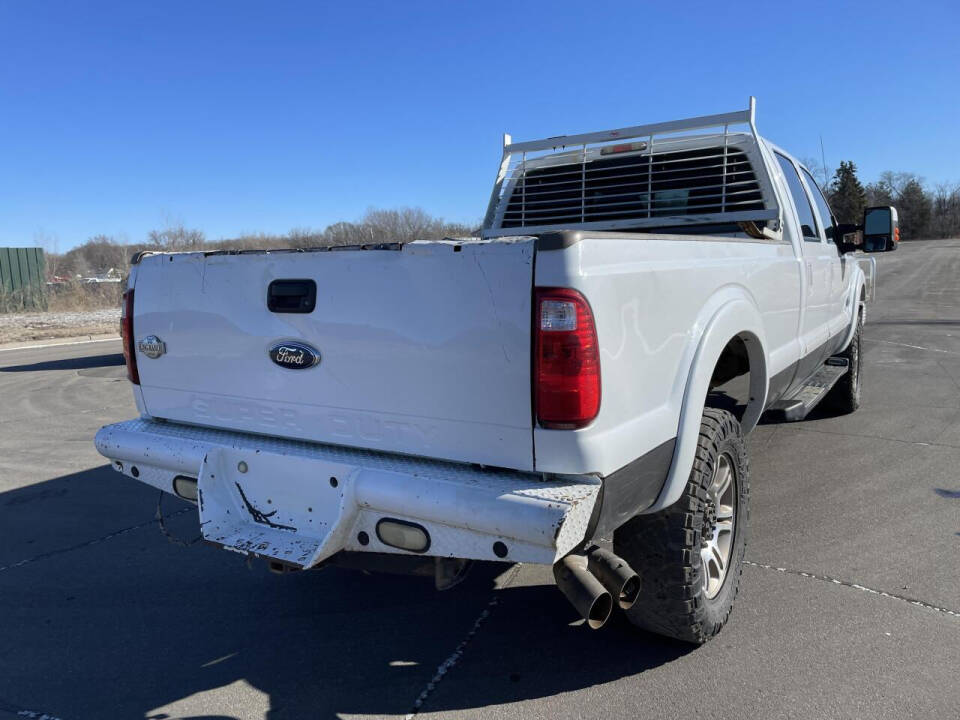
<point x="719" y="520"/>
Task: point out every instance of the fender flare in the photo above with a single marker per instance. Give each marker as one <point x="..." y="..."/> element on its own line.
<point x="736" y="316"/>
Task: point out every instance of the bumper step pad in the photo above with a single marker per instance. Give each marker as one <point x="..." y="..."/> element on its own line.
<point x="283" y="507"/>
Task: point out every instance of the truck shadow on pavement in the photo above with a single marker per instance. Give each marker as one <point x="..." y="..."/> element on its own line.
<point x="79" y="363"/>
<point x="101" y="616"/>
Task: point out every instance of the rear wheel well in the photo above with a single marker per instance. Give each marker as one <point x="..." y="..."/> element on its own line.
<point x="730" y="382"/>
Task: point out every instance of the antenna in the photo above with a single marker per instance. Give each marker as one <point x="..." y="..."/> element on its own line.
<point x="823" y="159"/>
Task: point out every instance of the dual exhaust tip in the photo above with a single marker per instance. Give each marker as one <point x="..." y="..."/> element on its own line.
<point x="593" y="580"/>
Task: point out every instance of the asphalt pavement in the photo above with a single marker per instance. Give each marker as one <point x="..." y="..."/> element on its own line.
<point x="849" y="608"/>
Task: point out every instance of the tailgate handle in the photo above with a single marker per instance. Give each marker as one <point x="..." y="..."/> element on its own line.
<point x="292" y="296"/>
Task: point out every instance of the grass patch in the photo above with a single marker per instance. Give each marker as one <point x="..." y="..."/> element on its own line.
<point x="77" y="296"/>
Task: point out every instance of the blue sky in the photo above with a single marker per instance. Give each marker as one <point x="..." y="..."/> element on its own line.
<point x="122" y="117"/>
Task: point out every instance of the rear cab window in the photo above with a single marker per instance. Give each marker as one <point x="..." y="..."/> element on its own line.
<point x="823" y="209"/>
<point x="808" y="226"/>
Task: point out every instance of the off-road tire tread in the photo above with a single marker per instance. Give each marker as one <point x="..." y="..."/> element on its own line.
<point x="664" y="547"/>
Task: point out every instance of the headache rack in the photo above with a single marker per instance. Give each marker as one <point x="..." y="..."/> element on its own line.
<point x="662" y="175"/>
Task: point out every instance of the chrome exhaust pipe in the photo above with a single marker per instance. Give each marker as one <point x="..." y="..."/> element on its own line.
<point x="615" y="575"/>
<point x="583" y="590"/>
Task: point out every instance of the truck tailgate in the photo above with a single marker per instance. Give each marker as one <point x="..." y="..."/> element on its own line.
<point x="424" y="350"/>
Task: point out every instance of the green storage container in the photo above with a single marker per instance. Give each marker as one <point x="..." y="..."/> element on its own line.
<point x="22" y="279"/>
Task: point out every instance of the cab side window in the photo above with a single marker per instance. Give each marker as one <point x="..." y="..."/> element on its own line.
<point x="808" y="227"/>
<point x="825" y="215"/>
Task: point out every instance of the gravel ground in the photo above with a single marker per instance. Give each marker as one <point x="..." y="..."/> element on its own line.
<point x="16" y="327"/>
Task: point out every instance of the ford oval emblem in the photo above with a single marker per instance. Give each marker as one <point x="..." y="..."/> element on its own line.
<point x="294" y="355"/>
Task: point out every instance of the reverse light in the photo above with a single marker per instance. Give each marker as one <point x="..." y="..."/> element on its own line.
<point x="566" y="369"/>
<point x="404" y="535"/>
<point x="185" y="487"/>
<point x="127" y="338"/>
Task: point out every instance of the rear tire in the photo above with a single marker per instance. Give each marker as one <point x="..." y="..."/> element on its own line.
<point x="677" y="551"/>
<point x="844" y="397"/>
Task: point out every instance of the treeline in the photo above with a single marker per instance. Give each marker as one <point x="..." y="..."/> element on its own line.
<point x="101" y="254"/>
<point x="924" y="212"/>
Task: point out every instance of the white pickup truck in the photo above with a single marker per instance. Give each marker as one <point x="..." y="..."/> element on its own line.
<point x="583" y="372"/>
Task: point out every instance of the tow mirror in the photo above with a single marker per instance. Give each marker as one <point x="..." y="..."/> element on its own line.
<point x="881" y="230"/>
<point x="849" y="237"/>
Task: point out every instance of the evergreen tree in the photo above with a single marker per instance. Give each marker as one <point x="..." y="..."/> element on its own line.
<point x="879" y="193"/>
<point x="847" y="196"/>
<point x="914" y="206"/>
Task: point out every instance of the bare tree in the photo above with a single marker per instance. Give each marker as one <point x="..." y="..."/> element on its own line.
<point x="102" y="253"/>
<point x="51" y="251"/>
<point x="819" y="172"/>
<point x="304" y="238"/>
<point x="344" y="233"/>
<point x="176" y="237"/>
<point x="945" y="211"/>
<point x="400" y="225"/>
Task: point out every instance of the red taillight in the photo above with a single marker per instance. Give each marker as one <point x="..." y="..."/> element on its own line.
<point x="566" y="369"/>
<point x="126" y="335"/>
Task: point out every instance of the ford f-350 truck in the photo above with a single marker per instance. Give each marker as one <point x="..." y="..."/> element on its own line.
<point x="584" y="371"/>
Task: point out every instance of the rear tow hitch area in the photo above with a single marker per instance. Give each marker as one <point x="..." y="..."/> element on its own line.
<point x="278" y="567"/>
<point x="273" y="506"/>
<point x="591" y="581"/>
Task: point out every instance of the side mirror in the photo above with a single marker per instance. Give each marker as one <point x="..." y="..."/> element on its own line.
<point x="881" y="230"/>
<point x="849" y="237"/>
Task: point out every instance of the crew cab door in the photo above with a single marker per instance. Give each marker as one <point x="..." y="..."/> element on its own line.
<point x="817" y="273"/>
<point x="839" y="319"/>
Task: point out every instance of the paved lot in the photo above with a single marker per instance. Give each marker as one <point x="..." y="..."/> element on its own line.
<point x="850" y="608"/>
